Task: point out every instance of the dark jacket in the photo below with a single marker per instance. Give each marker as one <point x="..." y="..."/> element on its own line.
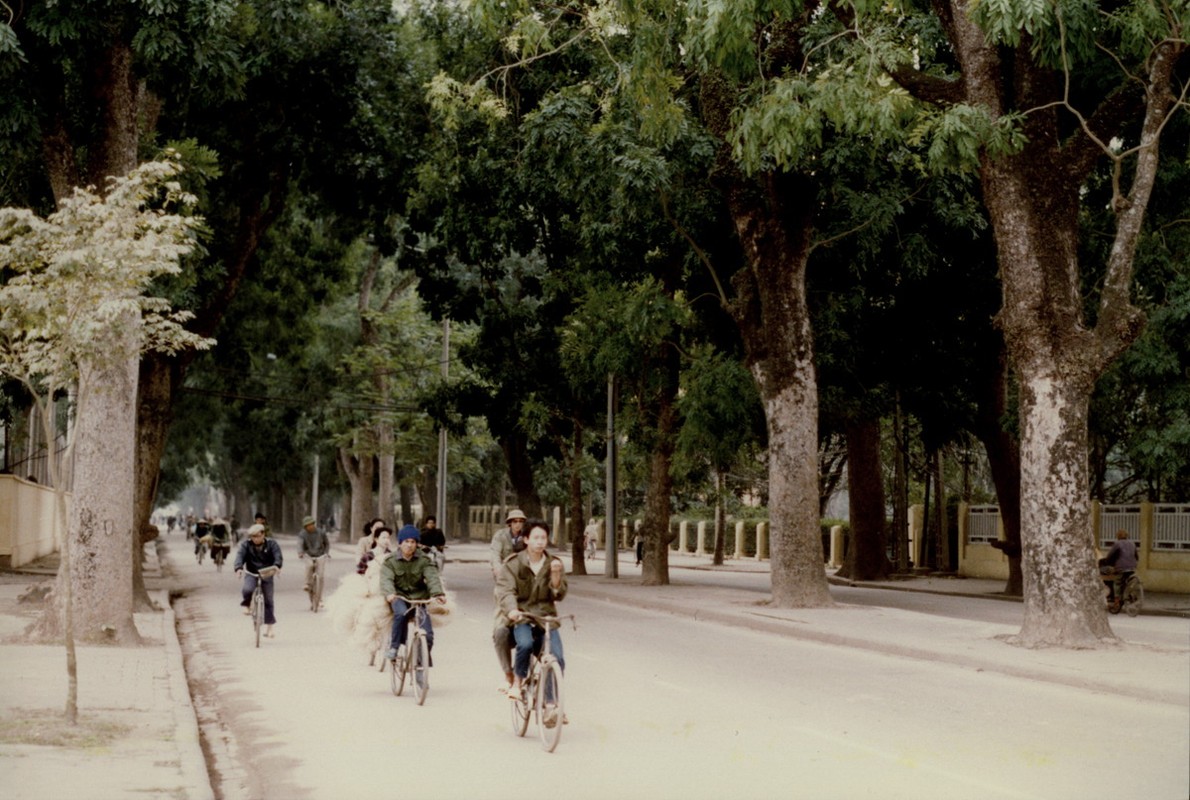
<point x="253" y="558"/>
<point x="416" y="579"/>
<point x="518" y="587"/>
<point x="313" y="543"/>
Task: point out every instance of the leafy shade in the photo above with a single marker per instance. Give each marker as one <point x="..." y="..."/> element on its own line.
<point x="72" y="276"/>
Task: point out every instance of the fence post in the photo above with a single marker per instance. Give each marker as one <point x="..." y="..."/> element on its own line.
<point x="683" y="535"/>
<point x="739" y="539"/>
<point x="762" y="541"/>
<point x="837" y="540"/>
<point x="702" y="538"/>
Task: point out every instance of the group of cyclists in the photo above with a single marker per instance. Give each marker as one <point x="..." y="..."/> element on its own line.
<point x="527" y="580"/>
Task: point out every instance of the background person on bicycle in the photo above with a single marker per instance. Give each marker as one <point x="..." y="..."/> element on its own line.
<point x="314" y="543"/>
<point x="409" y="573"/>
<point x="255" y="553"/>
<point x="531" y="581"/>
<point x="433" y="537"/>
<point x="220" y="539"/>
<point x="1121" y="558"/>
<point x="505" y="543"/>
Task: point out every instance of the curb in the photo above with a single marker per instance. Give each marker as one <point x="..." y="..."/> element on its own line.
<point x="193" y="763"/>
<point x="768" y="623"/>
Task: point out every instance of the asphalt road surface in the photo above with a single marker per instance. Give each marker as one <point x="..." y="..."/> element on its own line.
<point x="660" y="707"/>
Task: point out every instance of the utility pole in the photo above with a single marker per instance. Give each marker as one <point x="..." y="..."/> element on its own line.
<point x="611" y="568"/>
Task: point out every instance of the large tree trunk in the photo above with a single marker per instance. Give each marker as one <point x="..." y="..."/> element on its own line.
<point x="1033" y="200"/>
<point x="153" y="416"/>
<point x="359" y="472"/>
<point x="100" y="527"/>
<point x="520" y="473"/>
<point x="867" y="559"/>
<point x="655" y="528"/>
<point x="578" y="521"/>
<point x="774" y="217"/>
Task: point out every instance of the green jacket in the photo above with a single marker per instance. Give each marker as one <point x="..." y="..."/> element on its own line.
<point x="416" y="578"/>
<point x="518" y="587"/>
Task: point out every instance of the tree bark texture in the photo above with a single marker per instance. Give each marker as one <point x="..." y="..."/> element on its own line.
<point x="520" y="473"/>
<point x="775" y="229"/>
<point x="578" y="520"/>
<point x="867" y="559"/>
<point x="1033" y="200"/>
<point x="359" y="472"/>
<point x="1004" y="458"/>
<point x="100" y="526"/>
<point x="655" y="527"/>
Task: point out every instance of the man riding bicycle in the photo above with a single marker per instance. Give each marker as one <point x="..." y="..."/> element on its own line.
<point x="314" y="543"/>
<point x="531" y="581"/>
<point x="1119" y="563"/>
<point x="409" y="574"/>
<point x="255" y="553"/>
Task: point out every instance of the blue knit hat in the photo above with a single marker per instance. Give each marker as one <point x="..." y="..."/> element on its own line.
<point x="408" y="532"/>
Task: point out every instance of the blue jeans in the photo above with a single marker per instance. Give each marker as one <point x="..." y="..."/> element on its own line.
<point x="267" y="588"/>
<point x="529" y="639"/>
<point x="401" y="625"/>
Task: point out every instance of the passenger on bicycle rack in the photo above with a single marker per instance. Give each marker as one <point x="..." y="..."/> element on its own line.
<point x="409" y="573"/>
<point x="255" y="553"/>
<point x="314" y="543"/>
<point x="220" y="540"/>
<point x="531" y="581"/>
<point x="1116" y="567"/>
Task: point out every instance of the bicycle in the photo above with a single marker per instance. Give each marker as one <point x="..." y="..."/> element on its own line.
<point x="200" y="551"/>
<point x="256" y="604"/>
<point x="415" y="661"/>
<point x="317" y="582"/>
<point x="541" y="695"/>
<point x="1132" y="594"/>
<point x="219" y="554"/>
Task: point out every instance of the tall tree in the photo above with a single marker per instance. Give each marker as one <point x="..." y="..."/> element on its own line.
<point x="71" y="300"/>
<point x="1078" y="86"/>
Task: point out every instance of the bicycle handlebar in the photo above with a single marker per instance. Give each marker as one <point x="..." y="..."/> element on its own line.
<point x="267" y="572"/>
<point x="546" y="620"/>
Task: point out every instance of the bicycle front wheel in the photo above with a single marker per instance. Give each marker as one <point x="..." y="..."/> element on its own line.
<point x="420" y="656"/>
<point x="550" y="713"/>
<point x="316" y="592"/>
<point x="257" y="612"/>
<point x="1134" y="598"/>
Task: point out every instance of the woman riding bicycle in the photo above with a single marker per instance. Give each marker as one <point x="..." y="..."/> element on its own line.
<point x="1119" y="563"/>
<point x="531" y="581"/>
<point x="255" y="553"/>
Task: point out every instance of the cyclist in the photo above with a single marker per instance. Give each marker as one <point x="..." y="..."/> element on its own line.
<point x="504" y="543"/>
<point x="1121" y="560"/>
<point x="255" y="553"/>
<point x="409" y="573"/>
<point x="433" y="539"/>
<point x="220" y="539"/>
<point x="314" y="543"/>
<point x="531" y="581"/>
<point x="202" y="531"/>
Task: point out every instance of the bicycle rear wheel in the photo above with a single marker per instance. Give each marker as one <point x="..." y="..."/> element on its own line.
<point x="549" y="706"/>
<point x="420" y="656"/>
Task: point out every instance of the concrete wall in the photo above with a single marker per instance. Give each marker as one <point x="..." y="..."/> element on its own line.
<point x="27" y="530"/>
<point x="1162" y="568"/>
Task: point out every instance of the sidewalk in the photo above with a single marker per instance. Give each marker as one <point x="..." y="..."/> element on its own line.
<point x="138" y="735"/>
<point x="144" y="743"/>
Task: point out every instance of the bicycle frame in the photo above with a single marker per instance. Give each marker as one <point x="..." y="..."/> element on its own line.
<point x="416" y="661"/>
<point x="542" y="695"/>
<point x="256" y="603"/>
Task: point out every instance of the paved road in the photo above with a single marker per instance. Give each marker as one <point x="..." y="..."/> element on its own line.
<point x="661" y="707"/>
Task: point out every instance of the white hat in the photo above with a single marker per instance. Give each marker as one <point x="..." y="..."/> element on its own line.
<point x="256" y="529"/>
<point x="516" y="513"/>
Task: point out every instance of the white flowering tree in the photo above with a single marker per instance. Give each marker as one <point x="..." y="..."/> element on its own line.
<point x="74" y="317"/>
